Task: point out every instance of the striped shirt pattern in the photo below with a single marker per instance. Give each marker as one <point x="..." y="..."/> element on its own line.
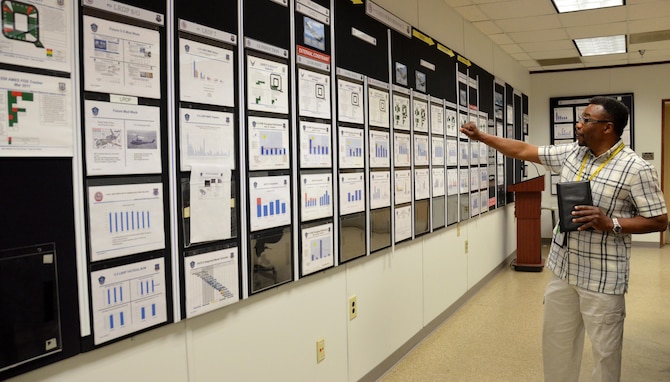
<point x="625" y="187"/>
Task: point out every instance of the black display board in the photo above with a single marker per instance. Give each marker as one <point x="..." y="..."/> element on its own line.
<point x="37" y="217"/>
<point x="361" y="42"/>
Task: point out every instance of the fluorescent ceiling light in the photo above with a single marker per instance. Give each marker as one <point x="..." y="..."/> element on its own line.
<point x="582" y="5"/>
<point x="596" y="46"/>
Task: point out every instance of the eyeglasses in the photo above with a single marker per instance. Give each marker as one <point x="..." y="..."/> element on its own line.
<point x="584" y="120"/>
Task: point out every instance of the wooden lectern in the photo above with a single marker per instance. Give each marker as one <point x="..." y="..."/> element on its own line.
<point x="527" y="211"/>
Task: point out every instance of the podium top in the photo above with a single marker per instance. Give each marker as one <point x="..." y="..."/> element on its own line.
<point x="529" y="185"/>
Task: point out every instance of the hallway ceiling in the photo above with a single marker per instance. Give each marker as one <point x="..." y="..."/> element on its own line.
<point x="533" y="32"/>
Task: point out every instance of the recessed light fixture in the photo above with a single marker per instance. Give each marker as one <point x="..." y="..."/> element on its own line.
<point x="597" y="46"/>
<point x="581" y="5"/>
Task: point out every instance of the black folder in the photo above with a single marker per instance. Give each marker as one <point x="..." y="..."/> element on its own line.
<point x="571" y="194"/>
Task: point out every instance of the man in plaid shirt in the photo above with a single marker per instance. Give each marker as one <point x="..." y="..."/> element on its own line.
<point x="591" y="266"/>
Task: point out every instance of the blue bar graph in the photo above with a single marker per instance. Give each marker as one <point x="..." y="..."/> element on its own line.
<point x="355" y="196"/>
<point x="318" y="149"/>
<point x="320" y="249"/>
<point x="275" y="207"/>
<point x="323" y="200"/>
<point x="111" y="321"/>
<point x="143" y="313"/>
<point x="128" y="221"/>
<point x="381" y="150"/>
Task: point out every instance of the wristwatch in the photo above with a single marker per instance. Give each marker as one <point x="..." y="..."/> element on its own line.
<point x="617" y="226"/>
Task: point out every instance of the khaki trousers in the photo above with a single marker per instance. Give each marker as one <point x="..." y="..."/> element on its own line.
<point x="568" y="312"/>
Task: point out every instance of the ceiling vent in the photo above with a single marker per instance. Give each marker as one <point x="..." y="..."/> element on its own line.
<point x="639" y="38"/>
<point x="559" y="61"/>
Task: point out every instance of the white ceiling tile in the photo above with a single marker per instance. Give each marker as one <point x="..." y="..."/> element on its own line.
<point x="649" y="25"/>
<point x="472" y="13"/>
<point x="649" y="10"/>
<point x="457" y="3"/>
<point x="541" y="35"/>
<point x="600" y="30"/>
<point x="487" y="27"/>
<point x="501" y="39"/>
<point x="521" y="56"/>
<point x="515" y="9"/>
<point x="511" y="48"/>
<point x="594" y="17"/>
<point x="547" y="54"/>
<point x="547" y="46"/>
<point x="529" y="23"/>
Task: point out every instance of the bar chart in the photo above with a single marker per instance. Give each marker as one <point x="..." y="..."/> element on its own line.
<point x="317" y="200"/>
<point x="352" y="188"/>
<point x="270" y="201"/>
<point x="351" y="147"/>
<point x="315" y="145"/>
<point x="401" y="150"/>
<point x="379" y="149"/>
<point x="317" y="248"/>
<point x="268" y="143"/>
<point x="380" y="189"/>
<point x="437" y="149"/>
<point x="402" y="186"/>
<point x="211" y="280"/>
<point x="421" y="157"/>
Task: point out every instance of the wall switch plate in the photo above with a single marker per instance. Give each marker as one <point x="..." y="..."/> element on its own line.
<point x="648" y="156"/>
<point x="353" y="307"/>
<point x="320" y="350"/>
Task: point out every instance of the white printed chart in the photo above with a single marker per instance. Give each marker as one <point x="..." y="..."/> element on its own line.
<point x="206" y="138"/>
<point x="121" y="58"/>
<point x="211" y="281"/>
<point x="122" y="139"/>
<point x="452" y="152"/>
<point x="436" y="119"/>
<point x="401" y="113"/>
<point x="270" y="200"/>
<point x="451" y="123"/>
<point x="315" y="145"/>
<point x="317" y="248"/>
<point x="403" y="223"/>
<point x="422" y="184"/>
<point x="379" y="149"/>
<point x="125" y="219"/>
<point x="350" y="102"/>
<point x="206" y="74"/>
<point x="401" y="150"/>
<point x="452" y="182"/>
<point x="316" y="200"/>
<point x="267" y="85"/>
<point x="268" y="143"/>
<point x="378" y="106"/>
<point x="437" y="149"/>
<point x="380" y="189"/>
<point x="421" y="150"/>
<point x="352" y="189"/>
<point x="403" y="186"/>
<point x="420" y="111"/>
<point x="127" y="299"/>
<point x="314" y="94"/>
<point x="439" y="182"/>
<point x="35" y="115"/>
<point x="37" y="34"/>
<point x="351" y="147"/>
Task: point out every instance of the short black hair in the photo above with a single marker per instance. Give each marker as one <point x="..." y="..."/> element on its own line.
<point x="615" y="110"/>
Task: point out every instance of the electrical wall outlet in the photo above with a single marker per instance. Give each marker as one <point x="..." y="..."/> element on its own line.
<point x="320" y="350"/>
<point x="353" y="307"/>
<point x="466" y="247"/>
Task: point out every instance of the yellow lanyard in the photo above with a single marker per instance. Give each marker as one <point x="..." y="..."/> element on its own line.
<point x="586" y="155"/>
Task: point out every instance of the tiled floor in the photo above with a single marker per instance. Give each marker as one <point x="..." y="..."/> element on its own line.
<point x="496" y="335"/>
